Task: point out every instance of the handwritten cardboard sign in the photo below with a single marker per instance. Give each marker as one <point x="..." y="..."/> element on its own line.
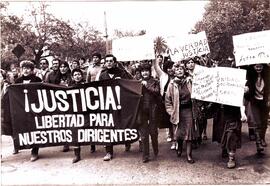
<point x="252" y="48"/>
<point x="221" y="85"/>
<point x="184" y="47"/>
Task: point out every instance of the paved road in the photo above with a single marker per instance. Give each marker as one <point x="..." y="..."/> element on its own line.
<point x="55" y="167"/>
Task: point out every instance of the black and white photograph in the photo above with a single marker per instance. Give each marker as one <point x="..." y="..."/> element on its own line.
<point x="135" y="92"/>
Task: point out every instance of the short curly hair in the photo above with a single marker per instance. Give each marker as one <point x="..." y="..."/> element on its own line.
<point x="27" y="64"/>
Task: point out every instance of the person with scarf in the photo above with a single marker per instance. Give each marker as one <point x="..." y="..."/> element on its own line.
<point x="112" y="71"/>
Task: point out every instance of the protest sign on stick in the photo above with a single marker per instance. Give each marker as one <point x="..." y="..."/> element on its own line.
<point x="133" y="48"/>
<point x="221" y="85"/>
<point x="42" y="115"/>
<point x="187" y="46"/>
<point x="252" y="48"/>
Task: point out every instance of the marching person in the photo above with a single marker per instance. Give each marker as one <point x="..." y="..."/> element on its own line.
<point x="258" y="95"/>
<point x="165" y="77"/>
<point x="64" y="79"/>
<point x="111" y="71"/>
<point x="28" y="76"/>
<point x="178" y="104"/>
<point x="198" y="106"/>
<point x="93" y="73"/>
<point x="60" y="75"/>
<point x="148" y="112"/>
<point x="227" y="130"/>
<point x="77" y="79"/>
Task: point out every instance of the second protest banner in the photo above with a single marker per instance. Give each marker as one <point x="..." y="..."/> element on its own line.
<point x="221" y="85"/>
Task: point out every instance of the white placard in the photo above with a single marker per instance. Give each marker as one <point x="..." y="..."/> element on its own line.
<point x="187" y="46"/>
<point x="133" y="48"/>
<point x="221" y="85"/>
<point x="252" y="48"/>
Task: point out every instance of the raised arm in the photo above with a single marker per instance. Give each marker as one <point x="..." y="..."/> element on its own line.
<point x="157" y="68"/>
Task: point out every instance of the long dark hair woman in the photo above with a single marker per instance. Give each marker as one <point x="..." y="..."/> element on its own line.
<point x="65" y="73"/>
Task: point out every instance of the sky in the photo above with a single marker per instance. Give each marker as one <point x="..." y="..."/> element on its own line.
<point x="158" y="18"/>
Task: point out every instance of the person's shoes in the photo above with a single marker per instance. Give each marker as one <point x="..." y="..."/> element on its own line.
<point x="190" y="160"/>
<point x="204" y="137"/>
<point x="15" y="151"/>
<point x="145" y="160"/>
<point x="252" y="137"/>
<point x="108" y="157"/>
<point x="76" y="159"/>
<point x="93" y="149"/>
<point x="127" y="147"/>
<point x="155" y="157"/>
<point x="179" y="151"/>
<point x="140" y="146"/>
<point x="173" y="147"/>
<point x="169" y="139"/>
<point x="65" y="148"/>
<point x="231" y="163"/>
<point x="194" y="145"/>
<point x="259" y="147"/>
<point x="224" y="153"/>
<point x="34" y="157"/>
<point x="264" y="144"/>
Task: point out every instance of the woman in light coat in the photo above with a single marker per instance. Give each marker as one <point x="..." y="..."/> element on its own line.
<point x="178" y="104"/>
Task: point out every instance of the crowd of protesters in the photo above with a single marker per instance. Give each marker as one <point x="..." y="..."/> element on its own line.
<point x="166" y="101"/>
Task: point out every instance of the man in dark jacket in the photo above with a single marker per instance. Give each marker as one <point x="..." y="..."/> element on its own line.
<point x="112" y="71"/>
<point x="54" y="75"/>
<point x="148" y="112"/>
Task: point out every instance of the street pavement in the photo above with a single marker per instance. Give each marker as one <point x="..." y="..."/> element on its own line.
<point x="55" y="168"/>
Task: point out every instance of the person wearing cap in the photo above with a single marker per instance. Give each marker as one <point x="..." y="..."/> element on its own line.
<point x="28" y="76"/>
<point x="179" y="105"/>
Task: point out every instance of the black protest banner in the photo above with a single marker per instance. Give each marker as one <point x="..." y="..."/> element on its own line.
<point x="102" y="112"/>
